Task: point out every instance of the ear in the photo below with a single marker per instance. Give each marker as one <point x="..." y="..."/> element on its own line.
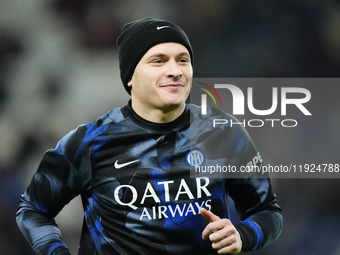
<point x="130" y="83"/>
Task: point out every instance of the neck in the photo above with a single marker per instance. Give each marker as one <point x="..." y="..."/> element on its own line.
<point x="157" y="115"/>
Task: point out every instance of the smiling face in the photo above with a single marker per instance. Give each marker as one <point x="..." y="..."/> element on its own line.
<point x="161" y="81"/>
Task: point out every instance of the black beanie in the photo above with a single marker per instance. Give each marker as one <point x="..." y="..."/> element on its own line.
<point x="139" y="36"/>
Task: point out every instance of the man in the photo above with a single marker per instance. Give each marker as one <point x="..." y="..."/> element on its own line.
<point x="132" y="167"/>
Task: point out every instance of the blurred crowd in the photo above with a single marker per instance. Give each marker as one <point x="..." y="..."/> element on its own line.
<point x="58" y="69"/>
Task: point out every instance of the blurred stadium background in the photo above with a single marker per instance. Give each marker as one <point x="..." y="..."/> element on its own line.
<point x="58" y="66"/>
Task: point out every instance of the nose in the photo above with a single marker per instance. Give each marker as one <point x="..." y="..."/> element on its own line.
<point x="173" y="70"/>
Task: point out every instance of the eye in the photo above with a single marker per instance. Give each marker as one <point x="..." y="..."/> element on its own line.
<point x="157" y="61"/>
<point x="184" y="60"/>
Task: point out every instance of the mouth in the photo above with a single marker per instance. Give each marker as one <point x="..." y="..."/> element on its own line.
<point x="173" y="86"/>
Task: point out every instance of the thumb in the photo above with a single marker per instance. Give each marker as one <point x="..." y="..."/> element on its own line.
<point x="209" y="215"/>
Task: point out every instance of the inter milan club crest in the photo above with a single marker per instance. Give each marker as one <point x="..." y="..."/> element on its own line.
<point x="195" y="158"/>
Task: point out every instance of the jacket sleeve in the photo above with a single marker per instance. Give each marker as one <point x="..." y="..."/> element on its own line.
<point x="261" y="220"/>
<point x="63" y="173"/>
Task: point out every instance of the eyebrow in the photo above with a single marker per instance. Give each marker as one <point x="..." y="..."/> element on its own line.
<point x="185" y="54"/>
<point x="159" y="55"/>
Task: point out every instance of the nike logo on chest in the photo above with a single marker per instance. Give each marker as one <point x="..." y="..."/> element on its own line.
<point x="118" y="166"/>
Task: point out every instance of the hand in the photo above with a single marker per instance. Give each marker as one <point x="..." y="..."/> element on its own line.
<point x="222" y="233"/>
